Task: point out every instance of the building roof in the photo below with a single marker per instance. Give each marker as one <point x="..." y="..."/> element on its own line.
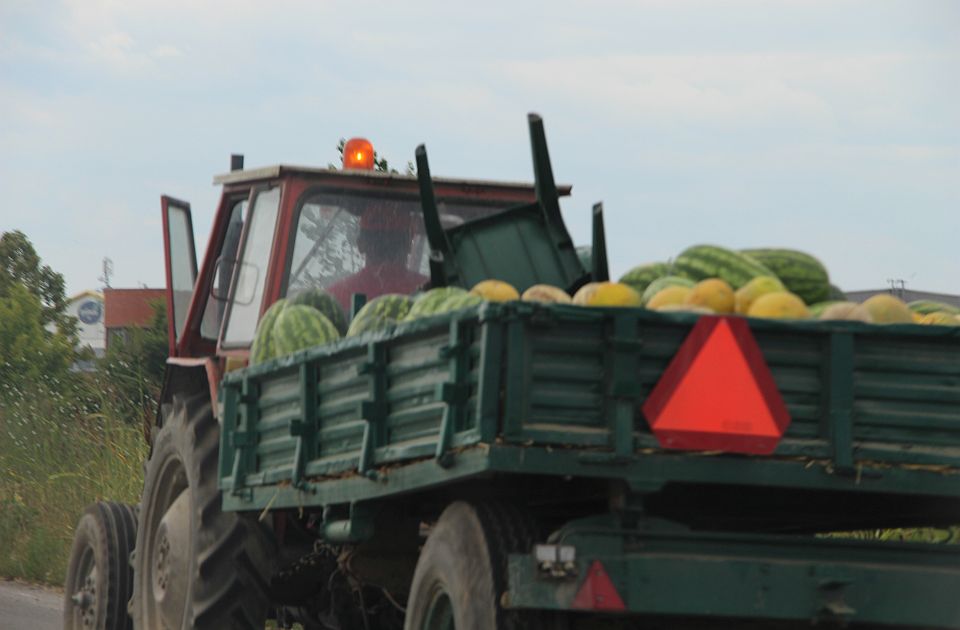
<point x="129" y="307"/>
<point x="907" y="295"/>
<point x="85" y="294"/>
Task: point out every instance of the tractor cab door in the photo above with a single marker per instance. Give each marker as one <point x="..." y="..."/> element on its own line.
<point x="180" y="258"/>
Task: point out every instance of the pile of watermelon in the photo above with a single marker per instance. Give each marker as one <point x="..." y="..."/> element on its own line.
<point x="768" y="282"/>
<point x="772" y="283"/>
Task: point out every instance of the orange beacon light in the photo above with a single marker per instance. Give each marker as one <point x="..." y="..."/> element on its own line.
<point x="358" y="154"/>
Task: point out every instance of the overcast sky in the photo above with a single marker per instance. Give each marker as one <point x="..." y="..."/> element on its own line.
<point x="831" y="127"/>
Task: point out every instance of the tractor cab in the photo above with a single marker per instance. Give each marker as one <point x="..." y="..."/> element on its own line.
<point x="283" y="229"/>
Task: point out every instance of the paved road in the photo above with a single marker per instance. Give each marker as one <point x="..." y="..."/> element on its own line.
<point x="24" y="607"/>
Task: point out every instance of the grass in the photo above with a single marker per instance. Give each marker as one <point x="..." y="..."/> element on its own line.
<point x="56" y="458"/>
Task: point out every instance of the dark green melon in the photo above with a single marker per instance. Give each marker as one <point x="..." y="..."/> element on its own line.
<point x="326" y="304"/>
<point x="380" y="313"/>
<point x="800" y="272"/>
<point x="431" y="302"/>
<point x="836" y="293"/>
<point x="263" y="346"/>
<point x="640" y="277"/>
<point x="711" y="261"/>
<point x="300" y="326"/>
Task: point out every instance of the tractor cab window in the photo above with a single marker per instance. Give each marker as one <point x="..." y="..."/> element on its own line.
<point x="362" y="243"/>
<point x="250" y="273"/>
<point x="226" y="260"/>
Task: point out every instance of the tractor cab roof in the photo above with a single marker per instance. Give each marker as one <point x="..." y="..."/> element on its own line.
<point x="375" y="178"/>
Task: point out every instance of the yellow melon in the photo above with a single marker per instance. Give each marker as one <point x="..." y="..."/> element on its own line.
<point x="670" y="295"/>
<point x="917" y="317"/>
<point x="713" y="293"/>
<point x="850" y="311"/>
<point x="940" y="318"/>
<point x="583" y="294"/>
<point x="613" y="294"/>
<point x="886" y="309"/>
<point x="547" y="294"/>
<point x="495" y="291"/>
<point x="779" y="305"/>
<point x="761" y="285"/>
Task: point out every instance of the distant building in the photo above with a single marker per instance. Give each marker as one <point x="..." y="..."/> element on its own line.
<point x="907" y="295"/>
<point x="128" y="308"/>
<point x="87" y="308"/>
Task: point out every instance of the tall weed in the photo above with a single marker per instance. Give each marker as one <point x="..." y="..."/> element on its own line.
<point x="62" y="447"/>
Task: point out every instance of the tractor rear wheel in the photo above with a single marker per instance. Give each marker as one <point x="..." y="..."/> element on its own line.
<point x="195" y="565"/>
<point x="99" y="577"/>
<point x="461" y="573"/>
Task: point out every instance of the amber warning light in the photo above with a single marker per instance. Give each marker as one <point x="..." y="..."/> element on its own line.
<point x="358" y="154"/>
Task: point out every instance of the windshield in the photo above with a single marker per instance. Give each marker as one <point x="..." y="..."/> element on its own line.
<point x="349" y="243"/>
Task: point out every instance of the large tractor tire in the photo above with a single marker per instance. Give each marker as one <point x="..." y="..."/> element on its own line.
<point x="462" y="570"/>
<point x="99" y="577"/>
<point x="195" y="565"/>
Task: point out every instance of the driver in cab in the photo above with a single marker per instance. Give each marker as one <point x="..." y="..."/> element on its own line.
<point x="385" y="240"/>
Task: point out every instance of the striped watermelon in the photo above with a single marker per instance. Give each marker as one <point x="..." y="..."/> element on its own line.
<point x="379" y="313"/>
<point x="431" y="302"/>
<point x="641" y="276"/>
<point x="300" y="326"/>
<point x="263" y="347"/>
<point x="660" y="284"/>
<point x="459" y="302"/>
<point x="711" y="261"/>
<point x="925" y="307"/>
<point x="802" y="274"/>
<point x="326" y="304"/>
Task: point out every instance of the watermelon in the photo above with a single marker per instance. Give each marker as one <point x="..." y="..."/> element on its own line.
<point x="836" y="293"/>
<point x="641" y="276"/>
<point x="925" y="307"/>
<point x="459" y="302"/>
<point x="326" y="304"/>
<point x="801" y="273"/>
<point x="711" y="261"/>
<point x="299" y="326"/>
<point x="660" y="284"/>
<point x="379" y="313"/>
<point x="263" y="347"/>
<point x="431" y="302"/>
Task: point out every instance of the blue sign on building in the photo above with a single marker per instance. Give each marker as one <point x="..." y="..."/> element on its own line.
<point x="90" y="312"/>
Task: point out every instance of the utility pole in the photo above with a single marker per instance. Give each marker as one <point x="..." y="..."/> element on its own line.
<point x="107" y="272"/>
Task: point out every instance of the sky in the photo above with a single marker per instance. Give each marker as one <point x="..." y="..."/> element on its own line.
<point x="831" y="127"/>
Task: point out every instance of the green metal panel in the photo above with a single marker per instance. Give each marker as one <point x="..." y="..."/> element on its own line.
<point x="664" y="570"/>
<point x="874" y="408"/>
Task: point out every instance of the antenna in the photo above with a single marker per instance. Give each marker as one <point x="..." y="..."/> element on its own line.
<point x="898" y="287"/>
<point x="107" y="272"/>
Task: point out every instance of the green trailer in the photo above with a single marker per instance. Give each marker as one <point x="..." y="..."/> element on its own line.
<point x="514" y="465"/>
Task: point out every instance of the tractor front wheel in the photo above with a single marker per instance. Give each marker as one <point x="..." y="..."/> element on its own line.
<point x="196" y="566"/>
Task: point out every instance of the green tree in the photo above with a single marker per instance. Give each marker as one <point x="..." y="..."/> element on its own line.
<point x="20" y="265"/>
<point x="132" y="370"/>
<point x="28" y="351"/>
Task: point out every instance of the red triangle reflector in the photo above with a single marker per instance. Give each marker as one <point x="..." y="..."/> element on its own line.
<point x="597" y="591"/>
<point x="718" y="393"/>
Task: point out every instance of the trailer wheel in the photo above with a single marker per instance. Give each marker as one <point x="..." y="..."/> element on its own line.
<point x="195" y="565"/>
<point x="99" y="577"/>
<point x="461" y="573"/>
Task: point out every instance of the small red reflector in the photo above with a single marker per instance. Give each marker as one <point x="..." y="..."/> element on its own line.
<point x="718" y="394"/>
<point x="358" y="154"/>
<point x="597" y="591"/>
